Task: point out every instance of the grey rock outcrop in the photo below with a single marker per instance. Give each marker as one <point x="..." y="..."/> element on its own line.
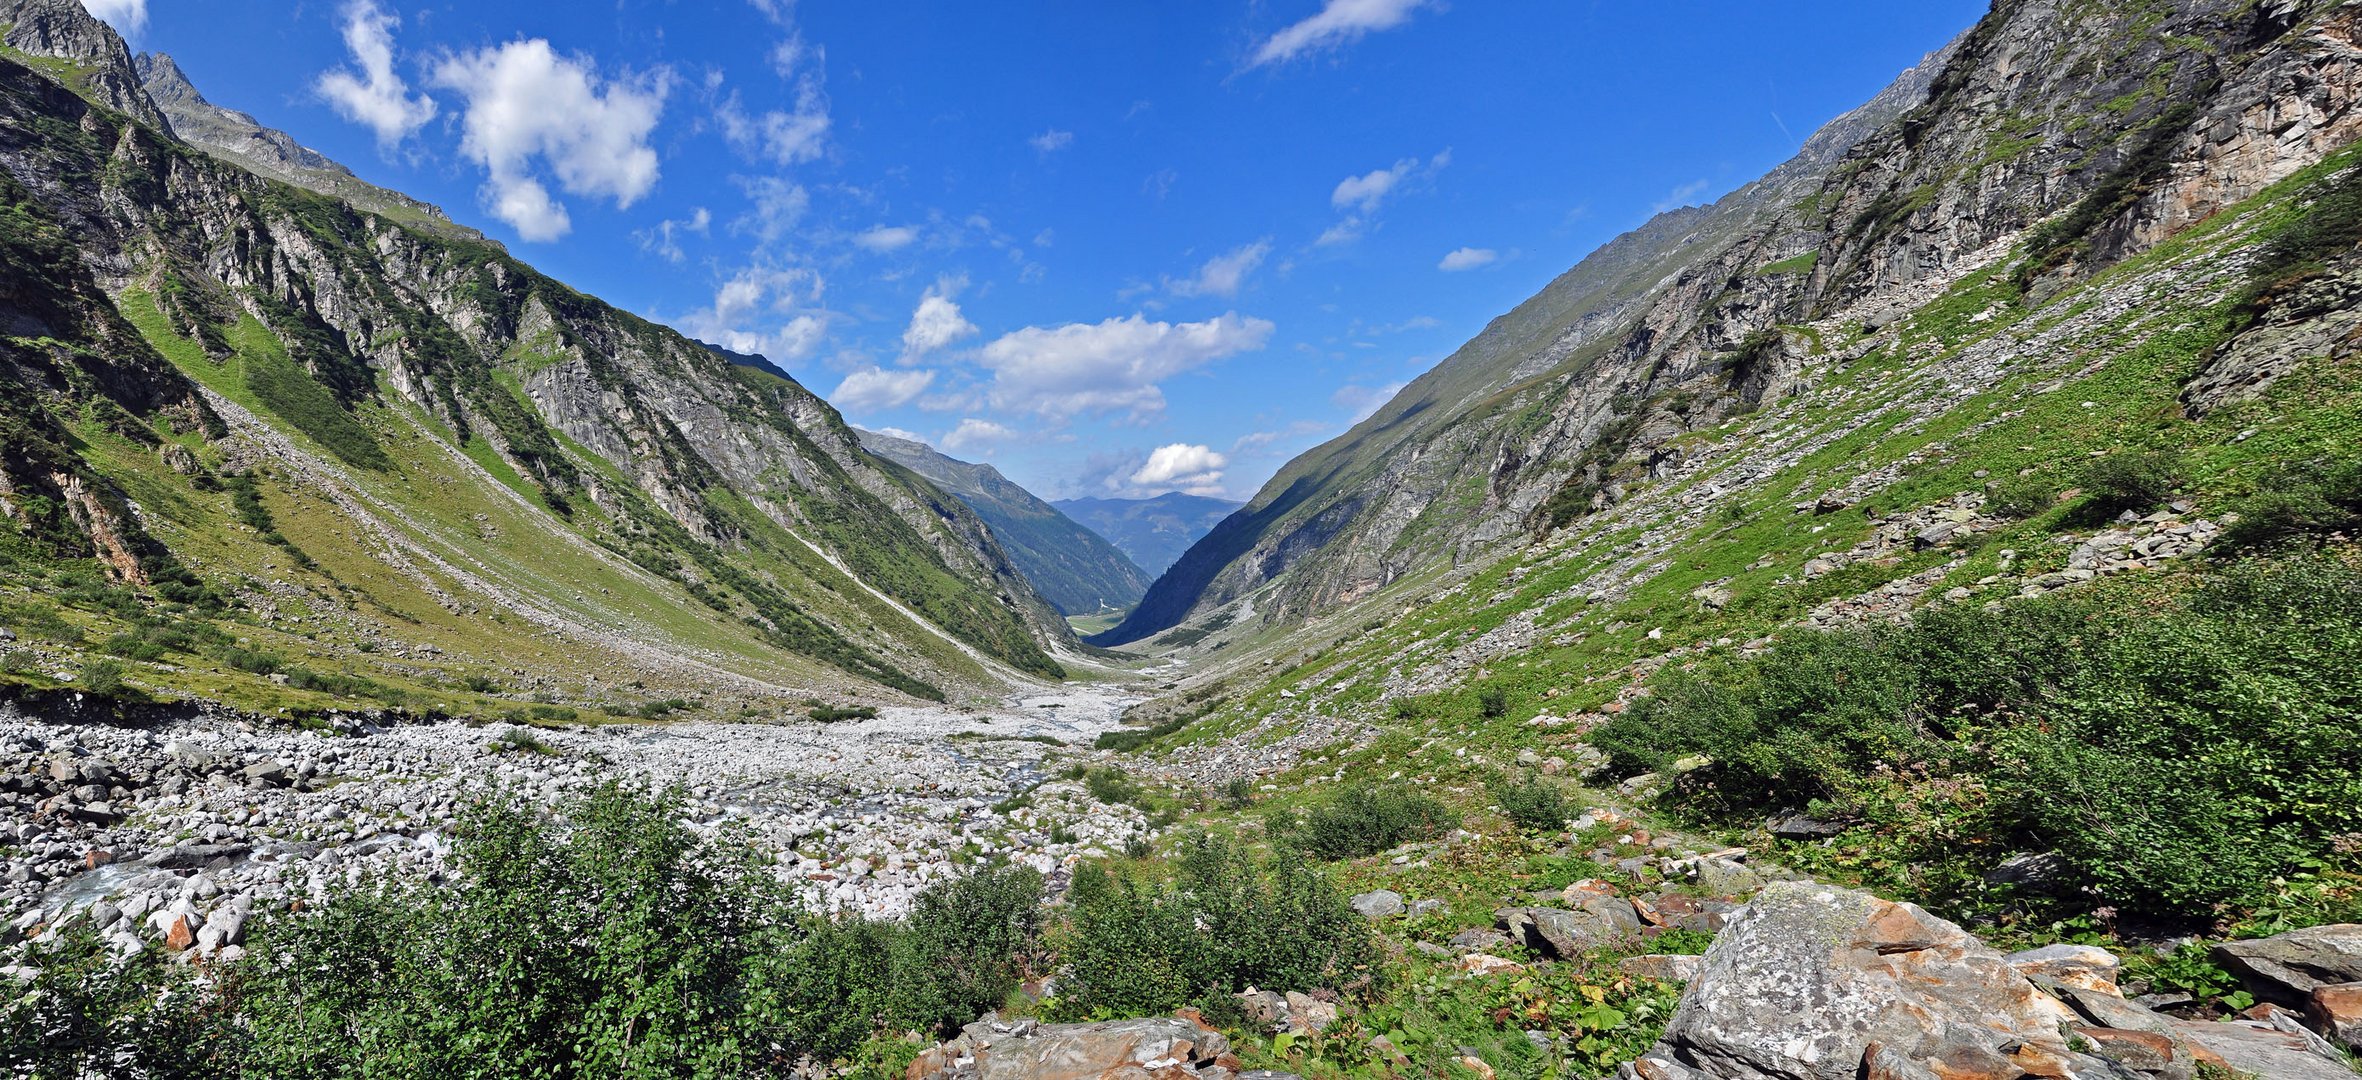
<point x="2289" y="967"/>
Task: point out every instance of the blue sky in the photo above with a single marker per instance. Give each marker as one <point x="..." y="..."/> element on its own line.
<point x="1113" y="248"/>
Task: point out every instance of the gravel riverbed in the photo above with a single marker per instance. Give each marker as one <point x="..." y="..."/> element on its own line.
<point x="178" y="832"/>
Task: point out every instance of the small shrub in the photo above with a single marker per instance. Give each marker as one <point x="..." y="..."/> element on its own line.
<point x="102" y="677"/>
<point x="2300" y="502"/>
<point x="1531" y="802"/>
<point x="1493" y="702"/>
<point x="1115" y="787"/>
<point x="2023" y="497"/>
<point x="658" y="710"/>
<point x="88" y="1012"/>
<point x="520" y="740"/>
<point x="1364" y="819"/>
<point x="831" y="714"/>
<point x="19" y="662"/>
<point x="2129" y="482"/>
<point x="1238" y="792"/>
<point x="1140" y="947"/>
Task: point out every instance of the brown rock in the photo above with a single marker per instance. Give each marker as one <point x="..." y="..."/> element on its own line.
<point x="2140" y="1051"/>
<point x="2080" y="966"/>
<point x="180" y="936"/>
<point x="2336" y="1012"/>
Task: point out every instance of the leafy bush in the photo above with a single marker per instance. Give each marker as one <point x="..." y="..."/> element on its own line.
<point x="1137" y="947"/>
<point x="1533" y="803"/>
<point x="831" y="714"/>
<point x="2023" y="497"/>
<point x="2180" y="755"/>
<point x="88" y="1012"/>
<point x="2300" y="502"/>
<point x="1363" y="819"/>
<point x="2129" y="482"/>
<point x="102" y="677"/>
<point x="1493" y="702"/>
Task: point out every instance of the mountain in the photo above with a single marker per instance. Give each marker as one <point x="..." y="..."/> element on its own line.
<point x="1633" y="362"/>
<point x="236" y="138"/>
<point x="1154" y="532"/>
<point x="304" y="435"/>
<point x="1071" y="566"/>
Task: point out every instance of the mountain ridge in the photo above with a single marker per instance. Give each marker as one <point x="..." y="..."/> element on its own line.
<point x="1155" y="531"/>
<point x="1075" y="569"/>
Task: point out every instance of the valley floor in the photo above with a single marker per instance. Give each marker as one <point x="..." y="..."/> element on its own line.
<point x="185" y="827"/>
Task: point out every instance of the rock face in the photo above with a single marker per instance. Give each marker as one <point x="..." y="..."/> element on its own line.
<point x="635" y="448"/>
<point x="2290" y="967"/>
<point x="1571" y="403"/>
<point x="1811" y="981"/>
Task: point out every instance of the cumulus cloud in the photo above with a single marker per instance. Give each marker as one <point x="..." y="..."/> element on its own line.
<point x="1359" y="197"/>
<point x="774" y="206"/>
<point x="1052" y="141"/>
<point x="1364" y="401"/>
<point x="877" y="388"/>
<point x="762" y="310"/>
<point x="789" y="136"/>
<point x="526" y="102"/>
<point x="1110" y="366"/>
<point x="936" y="323"/>
<point x="1467" y="258"/>
<point x="1182" y="467"/>
<point x="128" y="17"/>
<point x="1224" y="274"/>
<point x="886" y="238"/>
<point x="375" y="97"/>
<point x="974" y="434"/>
<point x="1338" y="23"/>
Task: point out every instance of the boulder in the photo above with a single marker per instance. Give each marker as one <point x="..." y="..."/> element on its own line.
<point x="2146" y="1052"/>
<point x="2336" y="1012"/>
<point x="1307" y="1013"/>
<point x="1809" y="979"/>
<point x="2289" y="967"/>
<point x="1663" y="967"/>
<point x="1159" y="1046"/>
<point x="1564" y="933"/>
<point x="2080" y="966"/>
<point x="2263" y="1050"/>
<point x="1801" y="827"/>
<point x="1379" y="904"/>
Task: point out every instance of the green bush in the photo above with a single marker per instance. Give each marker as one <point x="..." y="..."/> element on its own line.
<point x="1363" y="819"/>
<point x="2300" y="502"/>
<point x="1493" y="702"/>
<point x="1139" y="947"/>
<point x="102" y="677"/>
<point x="2023" y="497"/>
<point x="19" y="662"/>
<point x="2133" y="481"/>
<point x="1533" y="803"/>
<point x="88" y="1012"/>
<point x="831" y="714"/>
<point x="2181" y="755"/>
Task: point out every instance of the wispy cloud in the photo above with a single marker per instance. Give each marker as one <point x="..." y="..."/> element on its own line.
<point x="1224" y="274"/>
<point x="1359" y="197"/>
<point x="1468" y="258"/>
<point x="1052" y="141"/>
<point x="1338" y="23"/>
<point x="1685" y="195"/>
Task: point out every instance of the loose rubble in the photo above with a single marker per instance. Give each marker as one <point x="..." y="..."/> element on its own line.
<point x="178" y="834"/>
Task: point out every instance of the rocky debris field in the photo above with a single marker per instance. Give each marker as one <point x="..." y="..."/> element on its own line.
<point x="178" y="833"/>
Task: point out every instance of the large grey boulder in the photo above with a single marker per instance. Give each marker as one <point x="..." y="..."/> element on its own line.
<point x="1812" y="982"/>
<point x="2289" y="967"/>
<point x="1165" y="1046"/>
<point x="1593" y="921"/>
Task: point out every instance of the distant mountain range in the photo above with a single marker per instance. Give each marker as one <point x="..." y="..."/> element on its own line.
<point x="1072" y="567"/>
<point x="1154" y="532"/>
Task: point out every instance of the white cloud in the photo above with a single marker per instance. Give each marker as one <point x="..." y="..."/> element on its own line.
<point x="762" y="311"/>
<point x="789" y="136"/>
<point x="774" y="207"/>
<point x="128" y="17"/>
<point x="1052" y="141"/>
<point x="377" y="98"/>
<point x="1224" y="274"/>
<point x="887" y="238"/>
<point x="1363" y="401"/>
<point x="1365" y="192"/>
<point x="1468" y="259"/>
<point x="663" y="241"/>
<point x="1359" y="197"/>
<point x="936" y="323"/>
<point x="877" y="388"/>
<point x="1181" y="466"/>
<point x="1339" y="22"/>
<point x="1681" y="196"/>
<point x="905" y="436"/>
<point x="524" y="101"/>
<point x="973" y="433"/>
<point x="1109" y="366"/>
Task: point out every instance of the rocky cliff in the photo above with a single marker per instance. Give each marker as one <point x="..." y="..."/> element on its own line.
<point x="371" y="379"/>
<point x="2109" y="126"/>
